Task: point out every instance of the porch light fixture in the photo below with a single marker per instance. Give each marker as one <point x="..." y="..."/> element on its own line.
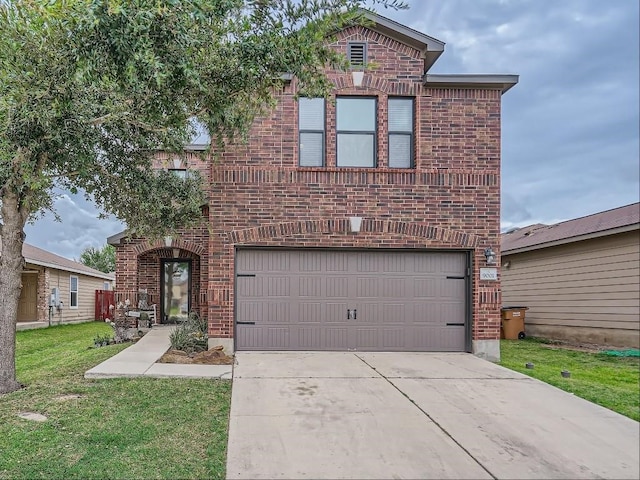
<point x="355" y="224"/>
<point x="490" y="255"/>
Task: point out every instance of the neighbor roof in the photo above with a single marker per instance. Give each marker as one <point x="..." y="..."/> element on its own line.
<point x="538" y="236"/>
<point x="37" y="256"/>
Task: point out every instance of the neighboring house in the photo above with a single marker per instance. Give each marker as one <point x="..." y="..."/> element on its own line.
<point x="280" y="264"/>
<point x="56" y="289"/>
<point x="579" y="278"/>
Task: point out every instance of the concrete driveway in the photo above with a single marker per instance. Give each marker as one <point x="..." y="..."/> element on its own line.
<point x="418" y="416"/>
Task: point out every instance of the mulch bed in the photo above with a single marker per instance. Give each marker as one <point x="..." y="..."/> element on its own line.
<point x="209" y="357"/>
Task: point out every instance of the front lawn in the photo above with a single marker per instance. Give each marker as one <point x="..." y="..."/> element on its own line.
<point x="613" y="382"/>
<point x="117" y="428"/>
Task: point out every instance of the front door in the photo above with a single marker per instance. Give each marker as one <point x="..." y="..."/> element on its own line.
<point x="28" y="303"/>
<point x="176" y="290"/>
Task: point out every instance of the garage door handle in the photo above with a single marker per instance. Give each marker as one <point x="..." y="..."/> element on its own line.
<point x="246" y="323"/>
<point x="352" y="314"/>
<point x="455" y="324"/>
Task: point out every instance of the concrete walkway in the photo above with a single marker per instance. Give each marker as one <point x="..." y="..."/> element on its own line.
<point x="415" y="415"/>
<point x="139" y="360"/>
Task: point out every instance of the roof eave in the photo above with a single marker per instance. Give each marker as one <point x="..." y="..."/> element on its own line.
<point x="431" y="48"/>
<point x="502" y="82"/>
<point x="33" y="261"/>
<point x="115" y="239"/>
<point x="578" y="238"/>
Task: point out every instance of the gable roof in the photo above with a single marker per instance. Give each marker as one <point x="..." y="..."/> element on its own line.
<point x="430" y="47"/>
<point x="609" y="222"/>
<point x="43" y="258"/>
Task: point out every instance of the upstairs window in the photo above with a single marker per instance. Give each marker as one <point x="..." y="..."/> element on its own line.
<point x="357" y="54"/>
<point x="401" y="136"/>
<point x="73" y="292"/>
<point x="181" y="173"/>
<point x="311" y="127"/>
<point x="356" y="130"/>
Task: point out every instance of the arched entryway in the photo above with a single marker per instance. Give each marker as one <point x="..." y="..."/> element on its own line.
<point x="171" y="277"/>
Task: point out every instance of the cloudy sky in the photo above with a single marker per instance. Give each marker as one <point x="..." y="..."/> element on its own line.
<point x="570" y="127"/>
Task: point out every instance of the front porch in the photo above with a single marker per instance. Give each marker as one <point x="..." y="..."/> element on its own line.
<point x="166" y="278"/>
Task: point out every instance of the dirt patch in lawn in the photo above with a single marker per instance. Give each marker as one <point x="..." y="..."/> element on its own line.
<point x="210" y="357"/>
<point x="579" y="347"/>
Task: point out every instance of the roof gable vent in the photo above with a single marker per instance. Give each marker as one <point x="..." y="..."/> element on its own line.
<point x="357" y="54"/>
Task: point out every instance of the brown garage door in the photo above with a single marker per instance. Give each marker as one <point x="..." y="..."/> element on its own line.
<point x="350" y="300"/>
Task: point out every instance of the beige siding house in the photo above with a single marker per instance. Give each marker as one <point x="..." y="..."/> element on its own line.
<point x="580" y="279"/>
<point x="57" y="290"/>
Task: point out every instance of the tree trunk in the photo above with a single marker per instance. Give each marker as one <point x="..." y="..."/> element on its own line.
<point x="11" y="265"/>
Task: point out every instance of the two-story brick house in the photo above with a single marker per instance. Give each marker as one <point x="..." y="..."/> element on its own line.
<point x="359" y="222"/>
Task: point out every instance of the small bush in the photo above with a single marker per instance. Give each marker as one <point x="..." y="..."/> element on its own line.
<point x="191" y="336"/>
<point x="102" y="340"/>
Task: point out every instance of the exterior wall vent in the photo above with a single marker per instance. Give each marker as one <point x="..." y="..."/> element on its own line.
<point x="357" y="54"/>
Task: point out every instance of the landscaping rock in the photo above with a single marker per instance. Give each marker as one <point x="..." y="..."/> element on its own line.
<point x="33" y="416"/>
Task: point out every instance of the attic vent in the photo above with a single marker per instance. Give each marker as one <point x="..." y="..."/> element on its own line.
<point x="357" y="53"/>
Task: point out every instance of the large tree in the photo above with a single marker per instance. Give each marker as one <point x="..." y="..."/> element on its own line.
<point x="102" y="259"/>
<point x="90" y="89"/>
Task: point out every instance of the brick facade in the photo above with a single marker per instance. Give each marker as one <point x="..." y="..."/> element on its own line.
<point x="260" y="197"/>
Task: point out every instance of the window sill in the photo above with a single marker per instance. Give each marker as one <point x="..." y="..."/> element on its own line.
<point x="356" y="169"/>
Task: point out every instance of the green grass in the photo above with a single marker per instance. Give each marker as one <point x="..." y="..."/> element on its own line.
<point x="612" y="382"/>
<point x="117" y="428"/>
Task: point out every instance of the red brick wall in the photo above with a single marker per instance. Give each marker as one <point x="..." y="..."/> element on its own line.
<point x="138" y="263"/>
<point x="263" y="198"/>
<point x="451" y="199"/>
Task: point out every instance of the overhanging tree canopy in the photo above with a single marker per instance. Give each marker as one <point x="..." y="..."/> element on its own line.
<point x="90" y="89"/>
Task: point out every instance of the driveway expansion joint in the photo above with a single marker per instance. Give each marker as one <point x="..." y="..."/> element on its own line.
<point x="424" y="412"/>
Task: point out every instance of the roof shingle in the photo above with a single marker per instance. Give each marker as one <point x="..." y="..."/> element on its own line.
<point x="538" y="235"/>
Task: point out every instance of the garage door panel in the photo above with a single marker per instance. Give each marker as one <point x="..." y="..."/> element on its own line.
<point x="366" y="287"/>
<point x="452" y="312"/>
<point x="337" y="286"/>
<point x="253" y="337"/>
<point x="278" y="286"/>
<point x="433" y="338"/>
<point x="426" y="288"/>
<point x="311" y="262"/>
<point x="299" y="300"/>
<point x="336" y="338"/>
<point x="311" y="312"/>
<point x="339" y="262"/>
<point x="393" y="287"/>
<point x="249" y="287"/>
<point x="425" y="263"/>
<point x="393" y="313"/>
<point x="452" y="264"/>
<point x="336" y="313"/>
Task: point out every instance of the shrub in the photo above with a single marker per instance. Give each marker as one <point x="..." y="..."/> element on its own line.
<point x="191" y="336"/>
<point x="102" y="340"/>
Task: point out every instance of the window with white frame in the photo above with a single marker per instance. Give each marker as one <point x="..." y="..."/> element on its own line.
<point x="356" y="127"/>
<point x="311" y="128"/>
<point x="73" y="292"/>
<point x="401" y="135"/>
<point x="106" y="286"/>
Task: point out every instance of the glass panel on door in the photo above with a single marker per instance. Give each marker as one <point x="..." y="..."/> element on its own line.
<point x="176" y="286"/>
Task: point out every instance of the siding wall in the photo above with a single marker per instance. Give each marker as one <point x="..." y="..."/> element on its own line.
<point x="87" y="287"/>
<point x="586" y="291"/>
